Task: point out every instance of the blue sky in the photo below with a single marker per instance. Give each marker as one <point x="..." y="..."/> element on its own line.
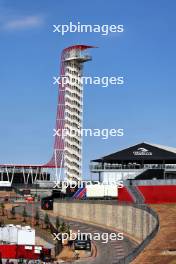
<point x="30" y="55"/>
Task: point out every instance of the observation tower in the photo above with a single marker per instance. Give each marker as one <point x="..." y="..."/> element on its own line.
<point x="67" y="153"/>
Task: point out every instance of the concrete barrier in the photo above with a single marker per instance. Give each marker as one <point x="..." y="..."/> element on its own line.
<point x="138" y="222"/>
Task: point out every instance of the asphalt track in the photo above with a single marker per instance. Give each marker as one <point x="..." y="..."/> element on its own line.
<point x="107" y="253"/>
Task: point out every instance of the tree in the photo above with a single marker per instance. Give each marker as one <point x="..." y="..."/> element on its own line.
<point x="68" y="230"/>
<point x="1" y="222"/>
<point x="13" y="212"/>
<point x="24" y="214"/>
<point x="46" y="220"/>
<point x="64" y="228"/>
<point x="57" y="223"/>
<point x="2" y="208"/>
<point x="37" y="217"/>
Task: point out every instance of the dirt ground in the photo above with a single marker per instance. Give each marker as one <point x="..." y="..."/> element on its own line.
<point x="162" y="249"/>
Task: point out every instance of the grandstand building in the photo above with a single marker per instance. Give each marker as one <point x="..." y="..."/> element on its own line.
<point x="143" y="161"/>
<point x="148" y="172"/>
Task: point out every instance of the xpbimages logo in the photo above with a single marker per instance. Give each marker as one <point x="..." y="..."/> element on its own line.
<point x="104" y="133"/>
<point x="96" y="236"/>
<point x="103" y="81"/>
<point x="87" y="28"/>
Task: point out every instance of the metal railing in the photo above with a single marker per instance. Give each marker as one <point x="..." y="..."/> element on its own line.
<point x="98" y="167"/>
<point x="152" y="182"/>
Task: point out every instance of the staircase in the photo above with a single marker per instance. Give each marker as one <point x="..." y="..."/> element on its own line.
<point x="138" y="198"/>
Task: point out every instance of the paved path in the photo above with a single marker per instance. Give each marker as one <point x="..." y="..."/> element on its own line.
<point x="107" y="253"/>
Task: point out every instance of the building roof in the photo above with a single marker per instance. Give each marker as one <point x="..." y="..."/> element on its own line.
<point x="170" y="149"/>
<point x="79" y="47"/>
<point x="141" y="152"/>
